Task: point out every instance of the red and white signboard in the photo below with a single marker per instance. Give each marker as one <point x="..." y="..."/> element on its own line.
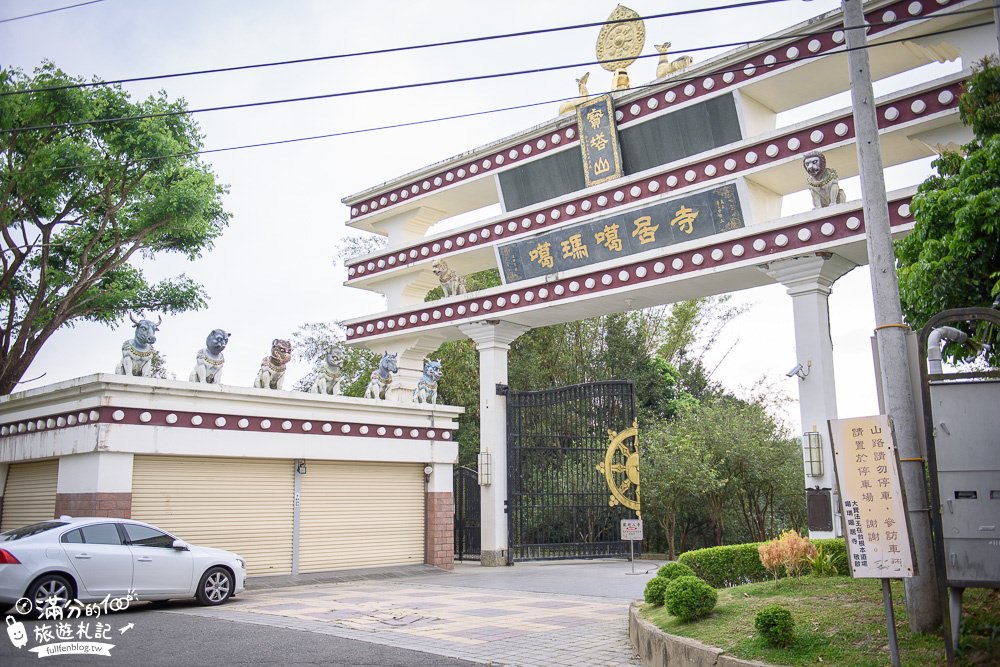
<point x="632" y="529"/>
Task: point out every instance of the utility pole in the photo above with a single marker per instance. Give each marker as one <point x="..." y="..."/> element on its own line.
<point x="922" y="599"/>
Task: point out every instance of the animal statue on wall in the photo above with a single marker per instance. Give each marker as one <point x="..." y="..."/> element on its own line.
<point x="583" y="94"/>
<point x="823" y="181"/>
<point x="272" y="367"/>
<point x="382" y="376"/>
<point x="664" y="67"/>
<point x="451" y="282"/>
<point x="137" y="353"/>
<point x="427" y="385"/>
<point x="328" y="372"/>
<point x="209" y="360"/>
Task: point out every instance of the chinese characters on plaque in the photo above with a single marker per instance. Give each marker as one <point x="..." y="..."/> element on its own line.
<point x="684" y="218"/>
<point x="602" y="156"/>
<point x="875" y="520"/>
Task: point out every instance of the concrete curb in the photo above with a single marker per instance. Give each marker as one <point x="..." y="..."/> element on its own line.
<point x="658" y="649"/>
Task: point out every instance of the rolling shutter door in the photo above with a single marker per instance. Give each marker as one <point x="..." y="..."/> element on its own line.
<point x="242" y="505"/>
<point x="361" y="515"/>
<point x="30" y="493"/>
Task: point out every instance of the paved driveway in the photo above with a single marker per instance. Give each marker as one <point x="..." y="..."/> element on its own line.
<point x="547" y="614"/>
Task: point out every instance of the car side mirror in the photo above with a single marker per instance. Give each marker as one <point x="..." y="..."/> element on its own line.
<point x="181" y="545"/>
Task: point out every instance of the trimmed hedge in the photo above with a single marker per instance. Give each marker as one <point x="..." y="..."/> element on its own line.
<point x="776" y="625"/>
<point x="738" y="564"/>
<point x="674" y="570"/>
<point x="690" y="598"/>
<point x="655" y="589"/>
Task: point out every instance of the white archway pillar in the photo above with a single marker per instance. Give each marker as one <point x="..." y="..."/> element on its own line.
<point x="493" y="339"/>
<point x="809" y="279"/>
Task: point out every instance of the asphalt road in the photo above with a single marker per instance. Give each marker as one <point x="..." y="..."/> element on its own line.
<point x="160" y="638"/>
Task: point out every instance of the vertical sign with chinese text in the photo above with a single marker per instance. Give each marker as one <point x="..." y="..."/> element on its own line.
<point x="602" y="155"/>
<point x="874" y="511"/>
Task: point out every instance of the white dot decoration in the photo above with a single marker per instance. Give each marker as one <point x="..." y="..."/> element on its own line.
<point x="526" y="222"/>
<point x="841" y="129"/>
<point x="690" y="175"/>
<point x="431" y="434"/>
<point x="690" y="90"/>
<point x="771" y="150"/>
<point x="474" y="307"/>
<point x="414" y="433"/>
<point x="770" y="60"/>
<point x="448" y="312"/>
<point x="513" y="154"/>
<point x="345" y="428"/>
<point x="804" y="234"/>
<point x="364" y="208"/>
<point x="624" y="276"/>
<point x="602" y="201"/>
<point x="708" y="84"/>
<point x="498" y="230"/>
<point x="619" y="115"/>
<point x="619" y="196"/>
<point x="144" y="417"/>
<point x="749" y="69"/>
<point x="487" y="305"/>
<point x="729" y="164"/>
<point x="424" y="317"/>
<point x="381" y="430"/>
<point x="415" y="189"/>
<point x="585" y="205"/>
<point x="653" y="186"/>
<point x="31" y="427"/>
<point x="117" y="415"/>
<point x="363" y="429"/>
<point x="307" y="426"/>
<point x="635" y="191"/>
<point x="515" y="299"/>
<point x="286" y="425"/>
<point x="737" y="250"/>
<point x="196" y="420"/>
<point x="460" y="241"/>
<point x="759" y="245"/>
<point x="487" y="164"/>
<point x="671" y="181"/>
<point x="888" y="17"/>
<point x="397" y="432"/>
<point x="512" y="226"/>
<point x="677" y="264"/>
<point x="391" y="261"/>
<point x="473" y="168"/>
<point x="827" y="229"/>
<point x="904" y="210"/>
<point x="461" y="173"/>
<point x="635" y="109"/>
<point x="793" y="144"/>
<point x="220" y="422"/>
<point x="697" y="259"/>
<point x="265" y="424"/>
<point x="425" y="251"/>
<point x="574" y="286"/>
<point x="426" y="185"/>
<point x="717" y="255"/>
<point x="404" y="193"/>
<point x="710" y="170"/>
<point x="659" y="267"/>
<point x="892" y="113"/>
<point x="750" y="157"/>
<point x="499" y="159"/>
<point x="540" y="144"/>
<point x="792" y="53"/>
<point x="84" y="417"/>
<point x="555" y="138"/>
<point x="854" y="223"/>
<point x="381" y="325"/>
<point x="816" y="136"/>
<point x="918" y="106"/>
<point x="326" y="427"/>
<point x="446" y="435"/>
<point x="914" y="8"/>
<point x="243" y="423"/>
<point x="543" y="293"/>
<point x="652" y="103"/>
<point x="946" y="97"/>
<point x="501" y="302"/>
<point x="461" y="310"/>
<point x="670" y="96"/>
<point x="640" y="272"/>
<point x="589" y="283"/>
<point x="354" y="210"/>
<point x="571" y="210"/>
<point x="814" y="45"/>
<point x="71" y="420"/>
<point x="728" y="77"/>
<point x="559" y="290"/>
<point x="529" y="296"/>
<point x="437" y="181"/>
<point x="3" y="430"/>
<point x="781" y="240"/>
<point x="838" y="36"/>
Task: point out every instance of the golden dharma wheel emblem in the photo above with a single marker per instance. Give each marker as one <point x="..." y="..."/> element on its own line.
<point x="619" y="44"/>
<point x="621" y="468"/>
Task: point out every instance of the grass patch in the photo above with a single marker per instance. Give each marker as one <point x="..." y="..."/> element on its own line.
<point x="838" y="621"/>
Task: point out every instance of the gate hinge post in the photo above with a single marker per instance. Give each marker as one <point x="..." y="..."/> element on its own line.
<point x="502" y="389"/>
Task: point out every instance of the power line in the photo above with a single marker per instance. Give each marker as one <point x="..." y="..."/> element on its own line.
<point x="394" y="49"/>
<point x="50" y="11"/>
<point x="424" y="84"/>
<point x="474" y="114"/>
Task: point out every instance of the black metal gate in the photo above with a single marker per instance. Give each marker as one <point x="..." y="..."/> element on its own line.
<point x="467" y="514"/>
<point x="570" y="481"/>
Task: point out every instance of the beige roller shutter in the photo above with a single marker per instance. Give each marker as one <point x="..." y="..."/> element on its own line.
<point x="30" y="493"/>
<point x="361" y="515"/>
<point x="242" y="505"/>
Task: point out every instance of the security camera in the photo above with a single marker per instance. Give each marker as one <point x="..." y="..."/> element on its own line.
<point x="795" y="371"/>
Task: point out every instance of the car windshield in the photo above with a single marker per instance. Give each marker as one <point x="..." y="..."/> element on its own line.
<point x="28" y="531"/>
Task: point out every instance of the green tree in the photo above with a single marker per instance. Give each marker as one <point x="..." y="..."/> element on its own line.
<point x="952" y="257"/>
<point x="81" y="204"/>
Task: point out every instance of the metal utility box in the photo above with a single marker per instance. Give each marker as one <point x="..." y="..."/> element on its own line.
<point x="967" y="443"/>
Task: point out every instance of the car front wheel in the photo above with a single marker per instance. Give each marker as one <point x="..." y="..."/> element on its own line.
<point x="50" y="590"/>
<point x="216" y="586"/>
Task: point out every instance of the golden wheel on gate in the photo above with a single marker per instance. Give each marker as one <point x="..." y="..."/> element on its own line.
<point x="621" y="468"/>
<point x="619" y="44"/>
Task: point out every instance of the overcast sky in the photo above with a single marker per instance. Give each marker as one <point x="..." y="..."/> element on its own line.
<point x="273" y="269"/>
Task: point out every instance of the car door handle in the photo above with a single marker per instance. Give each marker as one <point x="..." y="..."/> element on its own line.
<point x="82" y="556"/>
<point x="144" y="559"/>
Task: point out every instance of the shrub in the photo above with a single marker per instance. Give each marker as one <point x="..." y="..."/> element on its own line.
<point x="824" y="564"/>
<point x="726" y="566"/>
<point x="674" y="570"/>
<point x="775" y="625"/>
<point x="655" y="589"/>
<point x="835" y="549"/>
<point x="791" y="551"/>
<point x="690" y="598"/>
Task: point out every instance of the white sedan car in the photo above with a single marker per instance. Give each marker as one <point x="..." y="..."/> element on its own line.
<point x="86" y="559"/>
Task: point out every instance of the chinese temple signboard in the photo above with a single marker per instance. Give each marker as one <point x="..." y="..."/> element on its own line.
<point x="674" y="221"/>
<point x="602" y="155"/>
<point x="876" y="527"/>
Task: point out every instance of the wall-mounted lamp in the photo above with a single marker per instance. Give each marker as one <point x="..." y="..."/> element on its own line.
<point x="485" y="464"/>
<point x="800" y="370"/>
<point x="428" y="469"/>
<point x="812" y="449"/>
<point x="300" y="466"/>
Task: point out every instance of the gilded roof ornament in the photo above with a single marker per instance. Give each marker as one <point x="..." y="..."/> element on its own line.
<point x="620" y="43"/>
